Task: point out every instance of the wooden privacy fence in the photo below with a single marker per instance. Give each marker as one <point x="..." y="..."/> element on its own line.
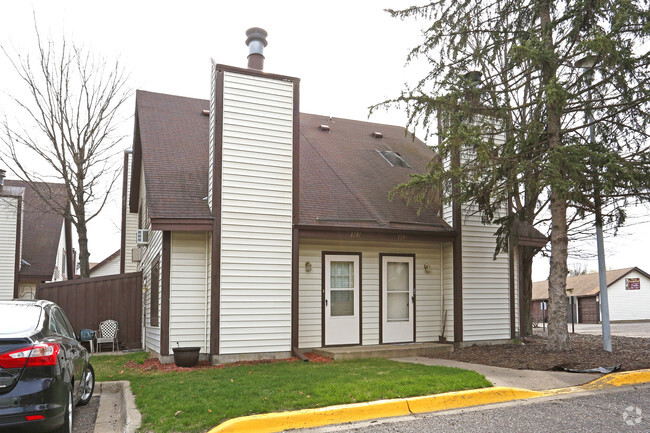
<point x="89" y="301"/>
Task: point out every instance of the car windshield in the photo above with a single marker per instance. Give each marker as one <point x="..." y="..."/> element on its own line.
<point x="19" y="319"/>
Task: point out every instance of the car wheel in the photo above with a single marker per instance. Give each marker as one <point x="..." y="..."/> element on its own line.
<point x="67" y="418"/>
<point x="88" y="385"/>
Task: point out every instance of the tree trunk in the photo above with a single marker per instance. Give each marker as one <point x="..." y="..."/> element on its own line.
<point x="526" y="290"/>
<point x="558" y="334"/>
<point x="84" y="255"/>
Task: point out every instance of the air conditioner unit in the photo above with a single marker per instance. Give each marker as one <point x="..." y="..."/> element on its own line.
<point x="136" y="254"/>
<point x="142" y="237"/>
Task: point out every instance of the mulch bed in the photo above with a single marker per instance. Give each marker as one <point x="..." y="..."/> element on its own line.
<point x="153" y="364"/>
<point x="586" y="352"/>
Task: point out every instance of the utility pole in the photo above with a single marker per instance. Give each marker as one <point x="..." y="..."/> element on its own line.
<point x="587" y="63"/>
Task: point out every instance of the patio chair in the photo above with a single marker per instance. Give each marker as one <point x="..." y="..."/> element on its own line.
<point x="107" y="333"/>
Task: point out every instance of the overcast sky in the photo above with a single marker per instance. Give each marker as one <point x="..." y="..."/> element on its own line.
<point x="348" y="55"/>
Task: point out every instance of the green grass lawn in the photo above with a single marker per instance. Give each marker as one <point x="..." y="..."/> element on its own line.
<point x="199" y="400"/>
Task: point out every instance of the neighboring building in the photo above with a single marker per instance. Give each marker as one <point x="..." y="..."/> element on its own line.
<point x="263" y="231"/>
<point x="35" y="243"/>
<point x="109" y="266"/>
<point x="628" y="293"/>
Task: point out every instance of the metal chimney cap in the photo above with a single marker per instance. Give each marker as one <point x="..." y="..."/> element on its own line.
<point x="256" y="33"/>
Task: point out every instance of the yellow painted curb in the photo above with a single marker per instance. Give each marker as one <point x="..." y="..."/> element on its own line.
<point x="620" y="379"/>
<point x="474" y="397"/>
<point x="278" y="421"/>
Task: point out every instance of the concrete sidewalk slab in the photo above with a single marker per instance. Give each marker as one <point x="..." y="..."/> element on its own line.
<point x="506" y="377"/>
<point x="117" y="411"/>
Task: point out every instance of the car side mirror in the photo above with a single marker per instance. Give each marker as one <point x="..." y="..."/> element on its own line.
<point x="86" y="335"/>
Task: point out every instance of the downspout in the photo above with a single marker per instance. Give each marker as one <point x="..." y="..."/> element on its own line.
<point x="442" y="291"/>
<point x="205" y="304"/>
<point x="442" y="338"/>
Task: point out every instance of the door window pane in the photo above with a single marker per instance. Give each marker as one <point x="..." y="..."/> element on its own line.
<point x="398" y="277"/>
<point x="398" y="306"/>
<point x="342" y="303"/>
<point x="341" y="275"/>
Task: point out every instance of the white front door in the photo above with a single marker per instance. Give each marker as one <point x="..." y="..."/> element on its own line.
<point x="397" y="299"/>
<point x="341" y="300"/>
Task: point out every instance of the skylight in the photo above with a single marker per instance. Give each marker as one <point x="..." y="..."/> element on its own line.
<point x="394" y="158"/>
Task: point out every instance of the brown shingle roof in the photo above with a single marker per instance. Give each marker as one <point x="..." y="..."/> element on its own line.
<point x="344" y="181"/>
<point x="41" y="229"/>
<point x="583" y="285"/>
<point x="174" y="137"/>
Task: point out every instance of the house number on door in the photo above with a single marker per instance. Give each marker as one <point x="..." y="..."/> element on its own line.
<point x="355" y="235"/>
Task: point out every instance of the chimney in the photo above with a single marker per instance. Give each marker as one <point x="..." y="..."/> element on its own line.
<point x="256" y="41"/>
<point x="473" y="92"/>
<point x="2" y="178"/>
<point x="474" y="78"/>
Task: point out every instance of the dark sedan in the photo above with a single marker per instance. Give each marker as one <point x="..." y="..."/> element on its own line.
<point x="44" y="370"/>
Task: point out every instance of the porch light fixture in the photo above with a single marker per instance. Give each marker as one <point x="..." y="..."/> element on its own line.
<point x="308" y="266"/>
<point x="427" y="267"/>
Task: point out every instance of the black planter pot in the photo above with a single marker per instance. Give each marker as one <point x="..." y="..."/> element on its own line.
<point x="186" y="356"/>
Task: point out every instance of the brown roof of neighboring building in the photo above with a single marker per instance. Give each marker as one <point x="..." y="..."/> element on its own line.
<point x="583" y="285"/>
<point x="41" y="229"/>
<point x="344" y="181"/>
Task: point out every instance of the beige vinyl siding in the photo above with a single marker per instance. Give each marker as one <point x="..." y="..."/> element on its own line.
<point x="129" y="242"/>
<point x="110" y="268"/>
<point x="427" y="308"/>
<point x="60" y="267"/>
<point x="189" y="299"/>
<point x="256" y="215"/>
<point x="131" y="227"/>
<point x="629" y="304"/>
<point x="486" y="282"/>
<point x="8" y="221"/>
<point x="151" y="334"/>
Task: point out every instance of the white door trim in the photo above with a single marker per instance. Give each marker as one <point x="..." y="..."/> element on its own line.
<point x="399" y="330"/>
<point x="342" y="329"/>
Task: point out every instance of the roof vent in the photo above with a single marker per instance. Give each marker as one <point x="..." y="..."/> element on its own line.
<point x="377" y="134"/>
<point x="205" y="112"/>
<point x="325" y="128"/>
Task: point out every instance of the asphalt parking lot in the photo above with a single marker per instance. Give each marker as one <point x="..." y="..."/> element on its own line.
<point x="85" y="416"/>
<point x="632" y="329"/>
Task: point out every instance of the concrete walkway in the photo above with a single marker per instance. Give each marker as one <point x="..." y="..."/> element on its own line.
<point x="524" y="379"/>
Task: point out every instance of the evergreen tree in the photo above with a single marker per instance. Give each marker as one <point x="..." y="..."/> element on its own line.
<point x="533" y="94"/>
